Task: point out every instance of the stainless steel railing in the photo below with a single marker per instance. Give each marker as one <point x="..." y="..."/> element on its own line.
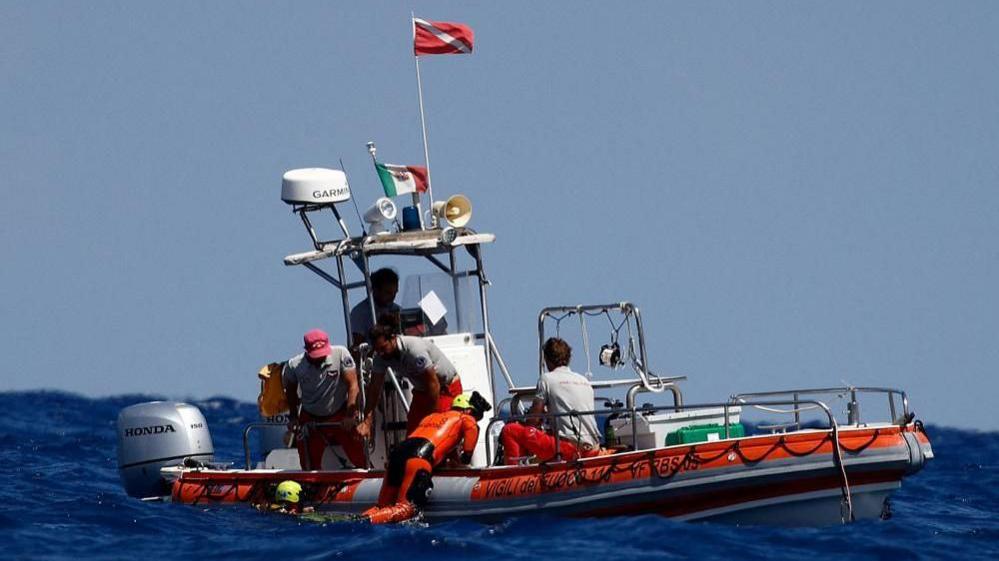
<point x="799" y="405"/>
<point x="853" y="406"/>
<point x="305" y="427"/>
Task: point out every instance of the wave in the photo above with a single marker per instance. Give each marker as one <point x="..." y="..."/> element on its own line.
<point x="63" y="500"/>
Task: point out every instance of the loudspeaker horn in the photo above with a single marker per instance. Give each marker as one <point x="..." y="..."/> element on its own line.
<point x="456" y="211"/>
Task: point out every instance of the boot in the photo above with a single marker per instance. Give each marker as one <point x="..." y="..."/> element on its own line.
<point x="391" y="514"/>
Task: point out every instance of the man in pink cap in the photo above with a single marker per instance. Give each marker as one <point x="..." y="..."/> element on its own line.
<point x="323" y="381"/>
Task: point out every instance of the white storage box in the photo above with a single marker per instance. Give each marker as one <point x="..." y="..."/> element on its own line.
<point x="653" y="428"/>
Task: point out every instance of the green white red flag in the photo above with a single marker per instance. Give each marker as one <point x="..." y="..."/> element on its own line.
<point x="399" y="180"/>
<point x="441" y="38"/>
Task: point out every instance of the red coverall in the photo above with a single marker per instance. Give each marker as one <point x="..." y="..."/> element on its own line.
<point x="519" y="440"/>
<point x="407" y="481"/>
<point x="312" y="448"/>
<point x="422" y="405"/>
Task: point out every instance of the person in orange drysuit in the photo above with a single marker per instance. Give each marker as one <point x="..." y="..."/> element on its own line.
<point x="407" y="483"/>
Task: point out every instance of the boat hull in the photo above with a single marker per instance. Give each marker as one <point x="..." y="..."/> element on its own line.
<point x="784" y="479"/>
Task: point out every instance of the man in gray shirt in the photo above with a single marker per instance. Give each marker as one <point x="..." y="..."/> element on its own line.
<point x="323" y="381"/>
<point x="560" y="390"/>
<point x="384" y="287"/>
<point x="434" y="379"/>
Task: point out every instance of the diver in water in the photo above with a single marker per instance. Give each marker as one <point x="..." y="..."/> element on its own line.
<point x="407" y="484"/>
<point x="287" y="500"/>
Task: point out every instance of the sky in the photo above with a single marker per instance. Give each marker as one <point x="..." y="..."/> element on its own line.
<point x="795" y="193"/>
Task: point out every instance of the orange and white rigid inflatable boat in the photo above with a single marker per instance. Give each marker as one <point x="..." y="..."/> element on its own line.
<point x="787" y="479"/>
<point x="685" y="461"/>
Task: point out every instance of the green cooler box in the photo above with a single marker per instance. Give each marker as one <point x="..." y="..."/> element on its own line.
<point x="704" y="433"/>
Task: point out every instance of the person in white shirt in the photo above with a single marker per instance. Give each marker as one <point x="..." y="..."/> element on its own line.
<point x="560" y="390"/>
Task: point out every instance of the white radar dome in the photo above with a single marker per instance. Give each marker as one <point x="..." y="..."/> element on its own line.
<point x="314" y="186"/>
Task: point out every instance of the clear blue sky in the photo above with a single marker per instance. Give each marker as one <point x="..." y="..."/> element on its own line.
<point x="795" y="193"/>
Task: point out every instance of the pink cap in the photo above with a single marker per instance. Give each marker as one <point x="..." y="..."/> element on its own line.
<point x="317" y="344"/>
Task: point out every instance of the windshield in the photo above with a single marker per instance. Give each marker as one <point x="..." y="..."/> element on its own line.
<point x="430" y="305"/>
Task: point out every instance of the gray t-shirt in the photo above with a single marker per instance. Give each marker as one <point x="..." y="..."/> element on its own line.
<point x="562" y="391"/>
<point x="322" y="388"/>
<point x="360" y="317"/>
<point x="415" y="356"/>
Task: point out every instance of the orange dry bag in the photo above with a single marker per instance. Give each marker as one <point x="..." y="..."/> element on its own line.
<point x="271" y="400"/>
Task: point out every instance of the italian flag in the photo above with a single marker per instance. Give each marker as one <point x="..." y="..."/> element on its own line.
<point x="399" y="180"/>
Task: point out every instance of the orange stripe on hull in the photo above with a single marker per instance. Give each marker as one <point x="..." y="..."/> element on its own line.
<point x="237" y="487"/>
<point x="665" y="463"/>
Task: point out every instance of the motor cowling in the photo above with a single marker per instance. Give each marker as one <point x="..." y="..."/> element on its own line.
<point x="158" y="434"/>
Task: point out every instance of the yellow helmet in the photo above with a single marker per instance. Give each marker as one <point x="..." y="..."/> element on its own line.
<point x="473" y="401"/>
<point x="288" y="491"/>
<point x="462" y="401"/>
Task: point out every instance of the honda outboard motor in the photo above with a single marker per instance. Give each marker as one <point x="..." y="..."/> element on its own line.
<point x="155" y="435"/>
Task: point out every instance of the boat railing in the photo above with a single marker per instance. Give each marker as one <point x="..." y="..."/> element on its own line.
<point x="634" y="352"/>
<point x="853" y="406"/>
<point x="262" y="424"/>
<point x="635" y="387"/>
<point x="249" y="427"/>
<point x="798" y="406"/>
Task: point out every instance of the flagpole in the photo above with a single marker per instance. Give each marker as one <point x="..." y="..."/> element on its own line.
<point x="423" y="124"/>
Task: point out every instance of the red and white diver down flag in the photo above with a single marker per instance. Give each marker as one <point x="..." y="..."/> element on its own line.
<point x="441" y="38"/>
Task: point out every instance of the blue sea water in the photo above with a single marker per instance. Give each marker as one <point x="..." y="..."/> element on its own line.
<point x="61" y="499"/>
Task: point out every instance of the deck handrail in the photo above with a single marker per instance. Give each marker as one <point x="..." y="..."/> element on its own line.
<point x="634" y="411"/>
<point x="852" y="407"/>
<point x="260" y="424"/>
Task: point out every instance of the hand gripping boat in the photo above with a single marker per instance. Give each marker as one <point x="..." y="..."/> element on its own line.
<point x="797" y="464"/>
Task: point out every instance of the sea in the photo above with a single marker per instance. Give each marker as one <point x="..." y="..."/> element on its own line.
<point x="61" y="498"/>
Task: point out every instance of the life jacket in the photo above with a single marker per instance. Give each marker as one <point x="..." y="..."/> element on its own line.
<point x="271" y="400"/>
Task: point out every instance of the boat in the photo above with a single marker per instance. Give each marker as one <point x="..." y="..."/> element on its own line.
<point x="804" y="464"/>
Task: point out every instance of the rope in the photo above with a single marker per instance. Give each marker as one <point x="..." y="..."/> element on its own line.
<point x="845" y="488"/>
<point x="862" y="447"/>
<point x="205" y="492"/>
<point x="558" y="321"/>
<point x="615" y="329"/>
<point x="329" y="492"/>
<point x="342" y="460"/>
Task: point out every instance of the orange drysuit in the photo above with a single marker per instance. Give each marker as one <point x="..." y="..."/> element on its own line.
<point x="407" y="482"/>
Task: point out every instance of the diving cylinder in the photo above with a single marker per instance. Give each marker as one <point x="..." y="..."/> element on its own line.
<point x="158" y="434"/>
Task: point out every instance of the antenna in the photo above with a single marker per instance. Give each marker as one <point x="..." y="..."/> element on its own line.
<point x="352" y="200"/>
